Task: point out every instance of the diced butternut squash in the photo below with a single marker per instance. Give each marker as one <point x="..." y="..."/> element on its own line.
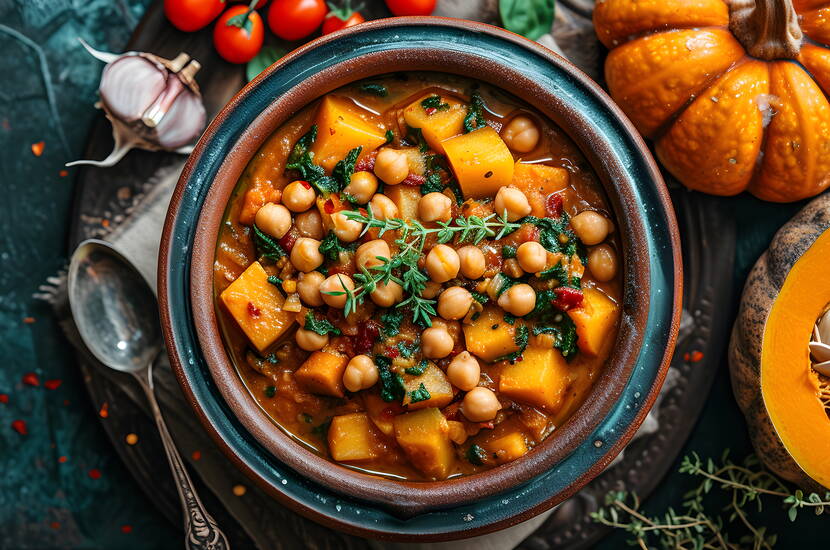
<point x="322" y="373"/>
<point x="424" y="437"/>
<point x="406" y="198"/>
<point x="537" y="181"/>
<point x="539" y="379"/>
<point x="342" y="126"/>
<point x="440" y="125"/>
<point x="435" y="382"/>
<point x="594" y="321"/>
<point x="481" y="161"/>
<point x="258" y="194"/>
<point x="353" y="437"/>
<point x="508" y="447"/>
<point x="415" y="159"/>
<point x="489" y="336"/>
<point x="381" y="413"/>
<point x="256" y="305"/>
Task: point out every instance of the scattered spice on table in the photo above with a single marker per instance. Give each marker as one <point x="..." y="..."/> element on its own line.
<point x="55" y="525"/>
<point x="31" y="379"/>
<point x="63" y="173"/>
<point x="4" y="398"/>
<point x="95" y="473"/>
<point x="20" y="427"/>
<point x="126" y="529"/>
<point x="37" y="148"/>
<point x="131" y="439"/>
<point x="104" y="412"/>
<point x="239" y="490"/>
<point x="62" y="459"/>
<point x="52" y="384"/>
<point x="196" y="455"/>
<point x="29" y="320"/>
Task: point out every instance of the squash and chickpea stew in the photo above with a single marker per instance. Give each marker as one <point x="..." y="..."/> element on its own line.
<point x="417" y="277"/>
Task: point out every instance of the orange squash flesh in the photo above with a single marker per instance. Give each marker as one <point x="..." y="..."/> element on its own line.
<point x="788" y="385"/>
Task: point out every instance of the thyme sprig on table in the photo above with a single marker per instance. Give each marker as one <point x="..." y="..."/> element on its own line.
<point x="402" y="268"/>
<point x="695" y="527"/>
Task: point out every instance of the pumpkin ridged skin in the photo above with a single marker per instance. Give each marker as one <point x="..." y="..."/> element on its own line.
<point x="668" y="54"/>
<point x="729" y="163"/>
<point x="746" y="345"/>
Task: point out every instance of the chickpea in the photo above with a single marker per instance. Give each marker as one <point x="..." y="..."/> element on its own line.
<point x="472" y="260"/>
<point x="602" y="261"/>
<point x="435" y="207"/>
<point x="436" y="342"/>
<point x="464" y="371"/>
<point x="360" y="374"/>
<point x="274" y="219"/>
<point x="308" y="287"/>
<point x="310" y="224"/>
<point x="336" y="283"/>
<point x="480" y="405"/>
<point x="532" y="256"/>
<point x="387" y="295"/>
<point x="442" y="263"/>
<point x="306" y="254"/>
<point x="310" y="340"/>
<point x="518" y="300"/>
<point x="521" y="134"/>
<point x="346" y="230"/>
<point x="391" y="166"/>
<point x="383" y="207"/>
<point x="362" y="186"/>
<point x="513" y="201"/>
<point x="591" y="227"/>
<point x="367" y="254"/>
<point x="431" y="290"/>
<point x="454" y="303"/>
<point x="298" y="196"/>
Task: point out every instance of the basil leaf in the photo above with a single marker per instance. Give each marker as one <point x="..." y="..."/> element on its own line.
<point x="530" y="18"/>
<point x="266" y="57"/>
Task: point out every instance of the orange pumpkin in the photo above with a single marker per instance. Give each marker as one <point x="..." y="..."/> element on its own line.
<point x="730" y="91"/>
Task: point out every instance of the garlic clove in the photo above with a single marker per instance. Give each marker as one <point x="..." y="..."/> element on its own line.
<point x="130" y="85"/>
<point x="185" y="119"/>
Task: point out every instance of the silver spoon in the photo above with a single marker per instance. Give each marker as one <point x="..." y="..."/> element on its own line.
<point x="117" y="316"/>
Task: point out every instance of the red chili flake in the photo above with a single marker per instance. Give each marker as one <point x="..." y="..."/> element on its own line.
<point x="289" y="239"/>
<point x="554" y="205"/>
<point x="66" y="402"/>
<point x="304" y="184"/>
<point x="430" y="110"/>
<point x="126" y="529"/>
<point x="29" y="320"/>
<point x="55" y="525"/>
<point x="697" y="356"/>
<point x="567" y="298"/>
<point x="253" y="311"/>
<point x="95" y="473"/>
<point x="328" y="207"/>
<point x="488" y="425"/>
<point x="332" y="131"/>
<point x="4" y="398"/>
<point x="414" y="179"/>
<point x="20" y="427"/>
<point x="105" y="223"/>
<point x="62" y="459"/>
<point x="63" y="173"/>
<point x="392" y="352"/>
<point x="37" y="148"/>
<point x="31" y="379"/>
<point x="52" y="384"/>
<point x="105" y="410"/>
<point x="196" y="455"/>
<point x="387" y="413"/>
<point x="367" y="163"/>
<point x="368" y="333"/>
<point x="686" y="356"/>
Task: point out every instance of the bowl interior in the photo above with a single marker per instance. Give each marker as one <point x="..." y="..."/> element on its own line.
<point x="582" y="446"/>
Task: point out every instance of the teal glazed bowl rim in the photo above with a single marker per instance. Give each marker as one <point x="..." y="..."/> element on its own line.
<point x="509" y="494"/>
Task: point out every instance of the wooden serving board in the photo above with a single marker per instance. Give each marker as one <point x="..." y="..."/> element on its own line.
<point x="99" y="203"/>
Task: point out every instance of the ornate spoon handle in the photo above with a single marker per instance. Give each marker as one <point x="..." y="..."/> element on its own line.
<point x="201" y="531"/>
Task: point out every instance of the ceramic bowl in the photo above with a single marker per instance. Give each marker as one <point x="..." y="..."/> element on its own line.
<point x="579" y="449"/>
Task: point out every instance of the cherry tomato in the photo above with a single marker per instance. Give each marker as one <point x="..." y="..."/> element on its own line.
<point x="334" y="22"/>
<point x="238" y="34"/>
<point x="192" y="15"/>
<point x="411" y="7"/>
<point x="296" y="19"/>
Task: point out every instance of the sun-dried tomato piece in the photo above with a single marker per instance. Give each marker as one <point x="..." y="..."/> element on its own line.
<point x="414" y="179"/>
<point x="554" y="206"/>
<point x="567" y="298"/>
<point x="368" y="333"/>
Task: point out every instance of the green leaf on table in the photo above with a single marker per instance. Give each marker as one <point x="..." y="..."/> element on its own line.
<point x="264" y="59"/>
<point x="530" y="18"/>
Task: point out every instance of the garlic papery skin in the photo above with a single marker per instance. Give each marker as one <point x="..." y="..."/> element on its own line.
<point x="153" y="103"/>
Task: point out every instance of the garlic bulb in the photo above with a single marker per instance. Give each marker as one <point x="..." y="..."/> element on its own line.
<point x="153" y="103"/>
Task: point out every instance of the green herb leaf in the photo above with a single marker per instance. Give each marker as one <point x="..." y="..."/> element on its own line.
<point x="267" y="246"/>
<point x="564" y="334"/>
<point x="475" y="113"/>
<point x="344" y="169"/>
<point x="274" y="280"/>
<point x="301" y="158"/>
<point x="476" y="455"/>
<point x="266" y="57"/>
<point x="375" y="89"/>
<point x="391" y="383"/>
<point x="320" y="326"/>
<point x="433" y="184"/>
<point x="270" y="391"/>
<point x="417" y="137"/>
<point x="322" y="430"/>
<point x="421" y="394"/>
<point x="419" y="369"/>
<point x="330" y="247"/>
<point x="480" y="298"/>
<point x="391" y="321"/>
<point x="408" y="350"/>
<point x="530" y="18"/>
<point x="432" y="102"/>
<point x="510" y="319"/>
<point x="307" y="418"/>
<point x="508" y="251"/>
<point x="390" y="136"/>
<point x="521" y="339"/>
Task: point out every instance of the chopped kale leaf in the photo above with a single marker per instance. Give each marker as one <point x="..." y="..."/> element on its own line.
<point x="475" y="113"/>
<point x="375" y="89"/>
<point x="344" y="169"/>
<point x="391" y="321"/>
<point x="320" y="326"/>
<point x="390" y="136"/>
<point x="480" y="298"/>
<point x="270" y="391"/>
<point x="322" y="429"/>
<point x="564" y="335"/>
<point x="433" y="184"/>
<point x="408" y="350"/>
<point x="421" y="394"/>
<point x="274" y="280"/>
<point x="419" y="369"/>
<point x="391" y="383"/>
<point x="330" y="247"/>
<point x="476" y="455"/>
<point x="267" y="246"/>
<point x="508" y="251"/>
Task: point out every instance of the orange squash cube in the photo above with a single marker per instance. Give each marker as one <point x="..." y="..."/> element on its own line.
<point x="594" y="321"/>
<point x="537" y="181"/>
<point x="341" y="126"/>
<point x="481" y="161"/>
<point x="379" y="412"/>
<point x="489" y="336"/>
<point x="539" y="379"/>
<point x="322" y="374"/>
<point x="424" y="437"/>
<point x="256" y="305"/>
<point x="435" y="382"/>
<point x="406" y="198"/>
<point x="352" y="437"/>
<point x="440" y="125"/>
<point x="508" y="447"/>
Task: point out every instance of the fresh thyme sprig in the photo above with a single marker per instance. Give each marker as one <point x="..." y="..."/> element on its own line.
<point x="695" y="528"/>
<point x="412" y="236"/>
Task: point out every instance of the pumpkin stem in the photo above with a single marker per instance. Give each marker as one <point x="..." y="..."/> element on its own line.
<point x="768" y="29"/>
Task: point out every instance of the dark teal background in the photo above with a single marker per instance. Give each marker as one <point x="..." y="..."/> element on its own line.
<point x="48" y="504"/>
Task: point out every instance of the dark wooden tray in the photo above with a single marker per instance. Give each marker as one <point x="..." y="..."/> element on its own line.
<point x="105" y="196"/>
